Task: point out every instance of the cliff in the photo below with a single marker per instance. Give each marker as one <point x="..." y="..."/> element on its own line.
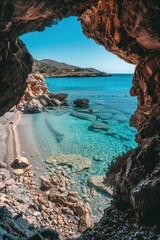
<point x="129" y="29"/>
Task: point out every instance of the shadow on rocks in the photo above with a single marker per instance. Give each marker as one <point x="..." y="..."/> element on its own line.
<point x="17" y="228"/>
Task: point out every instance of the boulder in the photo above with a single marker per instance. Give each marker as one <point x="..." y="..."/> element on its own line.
<point x="57" y="198"/>
<point x="18" y="172"/>
<point x="82" y="211"/>
<point x="59" y="96"/>
<point x="75" y="161"/>
<point x="56" y="102"/>
<point x="20" y="162"/>
<point x="97" y="182"/>
<point x="81" y="102"/>
<point x="45" y="100"/>
<point x="34" y="106"/>
<point x="45" y="184"/>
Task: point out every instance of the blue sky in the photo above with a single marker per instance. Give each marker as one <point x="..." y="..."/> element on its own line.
<point x="65" y="42"/>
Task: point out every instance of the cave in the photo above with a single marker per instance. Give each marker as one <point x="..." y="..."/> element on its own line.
<point x="131" y="31"/>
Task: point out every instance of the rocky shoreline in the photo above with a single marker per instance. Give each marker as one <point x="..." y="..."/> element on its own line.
<point x="44" y="202"/>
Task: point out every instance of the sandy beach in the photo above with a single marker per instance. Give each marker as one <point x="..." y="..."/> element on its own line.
<point x="6" y="145"/>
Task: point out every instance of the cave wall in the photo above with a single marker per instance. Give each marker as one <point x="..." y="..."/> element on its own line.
<point x="129" y="29"/>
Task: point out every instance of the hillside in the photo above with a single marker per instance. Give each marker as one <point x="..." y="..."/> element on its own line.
<point x="51" y="68"/>
<point x="59" y="65"/>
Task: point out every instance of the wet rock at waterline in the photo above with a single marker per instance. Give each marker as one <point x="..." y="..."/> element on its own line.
<point x="36" y="96"/>
<point x="75" y="161"/>
<point x="97" y="182"/>
<point x="59" y="96"/>
<point x="81" y="102"/>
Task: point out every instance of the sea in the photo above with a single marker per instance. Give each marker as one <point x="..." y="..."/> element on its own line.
<point x="70" y="130"/>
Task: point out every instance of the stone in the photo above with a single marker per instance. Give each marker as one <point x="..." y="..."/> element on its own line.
<point x="56" y="102"/>
<point x="18" y="172"/>
<point x="59" y="96"/>
<point x="104" y="116"/>
<point x="83" y="213"/>
<point x="58" y="199"/>
<point x="45" y="184"/>
<point x="34" y="106"/>
<point x="76" y="162"/>
<point x="97" y="182"/>
<point x="81" y="102"/>
<point x="10" y="182"/>
<point x="83" y="116"/>
<point x="73" y="194"/>
<point x="3" y="165"/>
<point x="2" y="186"/>
<point x="93" y="192"/>
<point x="20" y="162"/>
<point x="72" y="199"/>
<point x="100" y="126"/>
<point x="5" y="174"/>
<point x="50" y="161"/>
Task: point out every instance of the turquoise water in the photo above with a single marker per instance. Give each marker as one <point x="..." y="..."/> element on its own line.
<point x="60" y="131"/>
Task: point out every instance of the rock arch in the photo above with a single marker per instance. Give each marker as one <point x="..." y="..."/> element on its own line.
<point x="129" y="29"/>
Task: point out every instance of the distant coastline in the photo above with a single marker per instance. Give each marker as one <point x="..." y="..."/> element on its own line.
<point x="77" y="75"/>
<point x="53" y="69"/>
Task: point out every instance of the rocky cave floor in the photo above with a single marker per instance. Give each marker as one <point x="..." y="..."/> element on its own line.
<point x="26" y="214"/>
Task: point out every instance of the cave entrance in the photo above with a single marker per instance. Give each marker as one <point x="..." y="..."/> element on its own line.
<point x="95" y="134"/>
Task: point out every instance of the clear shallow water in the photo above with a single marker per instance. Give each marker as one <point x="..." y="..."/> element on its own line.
<point x="57" y="131"/>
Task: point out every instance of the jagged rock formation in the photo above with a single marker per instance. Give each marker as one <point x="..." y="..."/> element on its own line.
<point x="36" y="96"/>
<point x="129" y="29"/>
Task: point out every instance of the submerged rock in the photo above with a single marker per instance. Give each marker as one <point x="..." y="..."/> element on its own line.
<point x="75" y="161"/>
<point x="98" y="126"/>
<point x="97" y="183"/>
<point x="81" y="102"/>
<point x="120" y="117"/>
<point x="84" y="116"/>
<point x="104" y="116"/>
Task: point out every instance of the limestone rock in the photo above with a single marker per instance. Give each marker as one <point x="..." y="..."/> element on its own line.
<point x="81" y="102"/>
<point x="45" y="184"/>
<point x="97" y="182"/>
<point x="34" y="106"/>
<point x="58" y="199"/>
<point x="83" y="213"/>
<point x="18" y="172"/>
<point x="20" y="162"/>
<point x="77" y="162"/>
<point x="56" y="102"/>
<point x="59" y="96"/>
